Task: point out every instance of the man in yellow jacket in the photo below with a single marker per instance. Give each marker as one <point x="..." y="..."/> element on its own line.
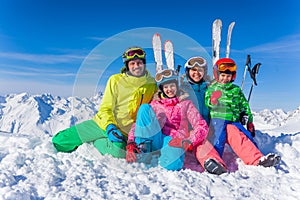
<point x="124" y="93"/>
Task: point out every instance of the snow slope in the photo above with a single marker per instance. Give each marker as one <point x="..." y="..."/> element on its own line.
<point x="30" y="168"/>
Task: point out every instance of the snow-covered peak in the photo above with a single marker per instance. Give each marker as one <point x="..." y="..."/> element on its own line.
<point x="44" y="113"/>
<point x="25" y="113"/>
<point x="277" y="120"/>
<point x="273" y="117"/>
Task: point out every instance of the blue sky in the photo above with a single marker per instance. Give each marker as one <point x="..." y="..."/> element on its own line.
<point x="45" y="46"/>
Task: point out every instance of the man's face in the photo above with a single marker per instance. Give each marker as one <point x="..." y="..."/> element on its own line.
<point x="136" y="67"/>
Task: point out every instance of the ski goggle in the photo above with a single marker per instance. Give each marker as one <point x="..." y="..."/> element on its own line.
<point x="167" y="73"/>
<point x="134" y="52"/>
<point x="195" y="61"/>
<point x="222" y="67"/>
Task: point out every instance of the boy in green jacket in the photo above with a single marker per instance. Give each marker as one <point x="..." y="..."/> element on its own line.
<point x="124" y="93"/>
<point x="226" y="102"/>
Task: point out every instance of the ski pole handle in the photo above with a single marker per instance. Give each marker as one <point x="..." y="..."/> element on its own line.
<point x="118" y="136"/>
<point x="178" y="69"/>
<point x="248" y="62"/>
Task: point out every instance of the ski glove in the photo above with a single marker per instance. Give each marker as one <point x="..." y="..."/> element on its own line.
<point x="244" y="118"/>
<point x="131" y="150"/>
<point x="180" y="143"/>
<point x="114" y="135"/>
<point x="215" y="95"/>
<point x="251" y="129"/>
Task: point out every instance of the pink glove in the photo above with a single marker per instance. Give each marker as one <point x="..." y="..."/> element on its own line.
<point x="215" y="95"/>
<point x="131" y="150"/>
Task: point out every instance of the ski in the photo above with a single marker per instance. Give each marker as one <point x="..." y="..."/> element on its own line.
<point x="229" y="39"/>
<point x="169" y="54"/>
<point x="156" y="43"/>
<point x="216" y="40"/>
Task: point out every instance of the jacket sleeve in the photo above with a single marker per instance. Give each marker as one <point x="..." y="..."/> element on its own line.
<point x="105" y="115"/>
<point x="131" y="133"/>
<point x="207" y="97"/>
<point x="200" y="127"/>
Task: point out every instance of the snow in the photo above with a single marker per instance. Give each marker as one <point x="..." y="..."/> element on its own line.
<point x="30" y="167"/>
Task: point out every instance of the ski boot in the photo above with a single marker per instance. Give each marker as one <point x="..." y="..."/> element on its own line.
<point x="214" y="167"/>
<point x="145" y="155"/>
<point x="269" y="160"/>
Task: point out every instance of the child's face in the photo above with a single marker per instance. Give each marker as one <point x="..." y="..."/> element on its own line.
<point x="225" y="78"/>
<point x="196" y="73"/>
<point x="170" y="89"/>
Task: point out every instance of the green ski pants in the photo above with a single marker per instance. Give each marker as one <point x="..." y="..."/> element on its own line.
<point x="88" y="131"/>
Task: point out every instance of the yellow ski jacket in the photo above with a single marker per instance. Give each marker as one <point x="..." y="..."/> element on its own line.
<point x="122" y="98"/>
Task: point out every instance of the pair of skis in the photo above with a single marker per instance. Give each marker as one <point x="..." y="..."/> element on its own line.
<point x="157" y="49"/>
<point x="216" y="39"/>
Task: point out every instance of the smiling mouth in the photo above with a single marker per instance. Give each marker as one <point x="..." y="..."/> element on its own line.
<point x="137" y="70"/>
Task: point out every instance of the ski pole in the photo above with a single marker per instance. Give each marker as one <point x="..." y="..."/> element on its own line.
<point x="248" y="62"/>
<point x="253" y="73"/>
<point x="178" y="69"/>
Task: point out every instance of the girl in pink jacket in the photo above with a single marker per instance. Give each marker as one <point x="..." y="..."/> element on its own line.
<point x="171" y="125"/>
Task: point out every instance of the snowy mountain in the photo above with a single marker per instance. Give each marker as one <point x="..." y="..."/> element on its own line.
<point x="30" y="168"/>
<point x="24" y="113"/>
<point x="278" y="120"/>
<point x="30" y="114"/>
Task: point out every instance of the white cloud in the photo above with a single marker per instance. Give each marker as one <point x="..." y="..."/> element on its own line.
<point x="34" y="87"/>
<point x="289" y="44"/>
<point x="42" y="58"/>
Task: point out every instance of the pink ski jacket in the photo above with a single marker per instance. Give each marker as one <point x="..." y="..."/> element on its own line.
<point x="174" y="116"/>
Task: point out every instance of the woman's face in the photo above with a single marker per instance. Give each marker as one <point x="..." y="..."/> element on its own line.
<point x="196" y="73"/>
<point x="170" y="89"/>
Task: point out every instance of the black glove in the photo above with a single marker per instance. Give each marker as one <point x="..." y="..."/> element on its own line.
<point x="243" y="118"/>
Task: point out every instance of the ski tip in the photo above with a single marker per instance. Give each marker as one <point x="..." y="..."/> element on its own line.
<point x="156" y="35"/>
<point x="156" y="40"/>
<point x="217" y="21"/>
<point x="168" y="46"/>
<point x="168" y="42"/>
